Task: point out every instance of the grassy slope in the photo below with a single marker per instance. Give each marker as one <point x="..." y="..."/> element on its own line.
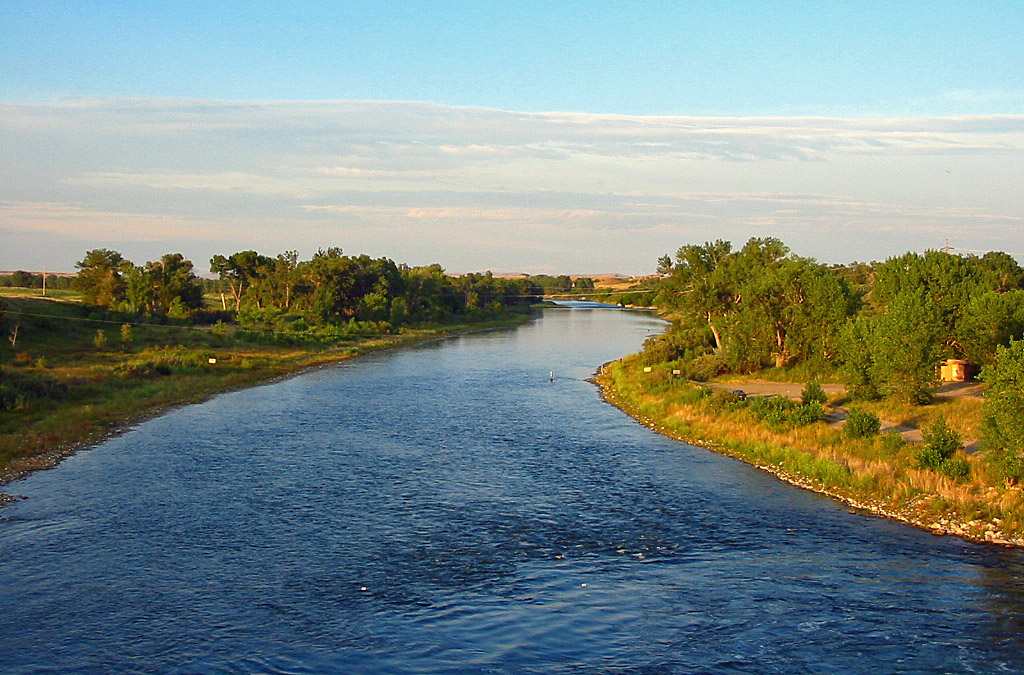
<point x="100" y="400"/>
<point x="871" y="474"/>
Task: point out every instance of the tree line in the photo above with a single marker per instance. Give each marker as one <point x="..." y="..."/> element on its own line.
<point x="885" y="326"/>
<point x="330" y="288"/>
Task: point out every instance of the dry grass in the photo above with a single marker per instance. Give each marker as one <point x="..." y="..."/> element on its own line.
<point x="875" y="471"/>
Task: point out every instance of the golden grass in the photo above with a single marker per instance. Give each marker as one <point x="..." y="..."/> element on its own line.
<point x="872" y="472"/>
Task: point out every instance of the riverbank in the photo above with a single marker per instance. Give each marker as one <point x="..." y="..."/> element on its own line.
<point x="878" y="475"/>
<point x="104" y="393"/>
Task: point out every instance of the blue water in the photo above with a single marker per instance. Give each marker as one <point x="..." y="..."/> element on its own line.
<point x="448" y="508"/>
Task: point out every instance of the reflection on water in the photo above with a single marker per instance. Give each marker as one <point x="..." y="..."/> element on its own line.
<point x="448" y="507"/>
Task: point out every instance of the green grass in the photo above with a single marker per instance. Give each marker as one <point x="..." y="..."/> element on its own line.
<point x="165" y="365"/>
<point x="58" y="294"/>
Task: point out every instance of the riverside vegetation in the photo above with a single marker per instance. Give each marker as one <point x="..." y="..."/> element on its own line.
<point x="881" y="329"/>
<point x="125" y="340"/>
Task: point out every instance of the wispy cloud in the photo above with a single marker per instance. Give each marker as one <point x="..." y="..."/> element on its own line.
<point x="468" y="186"/>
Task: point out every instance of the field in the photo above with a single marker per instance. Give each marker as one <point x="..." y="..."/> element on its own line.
<point x="62" y="386"/>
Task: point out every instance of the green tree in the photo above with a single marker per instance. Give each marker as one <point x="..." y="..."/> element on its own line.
<point x="906" y="345"/>
<point x="1001" y="272"/>
<point x="99" y="277"/>
<point x="174" y="285"/>
<point x="240" y="271"/>
<point x="990" y="320"/>
<point x="702" y="286"/>
<point x="857" y="361"/>
<point x="1002" y="428"/>
<point x="665" y="265"/>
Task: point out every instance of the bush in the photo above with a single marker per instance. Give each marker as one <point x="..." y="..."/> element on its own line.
<point x="806" y="413"/>
<point x="19" y="389"/>
<point x="779" y="412"/>
<point x="813" y="393"/>
<point x="892" y="442"/>
<point x="862" y="424"/>
<point x="940" y="444"/>
<point x="706" y="367"/>
<point x="725" y="400"/>
<point x="956" y="468"/>
<point x="100" y="339"/>
<point x="163" y="361"/>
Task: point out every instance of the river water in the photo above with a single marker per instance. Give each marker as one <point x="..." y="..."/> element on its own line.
<point x="448" y="508"/>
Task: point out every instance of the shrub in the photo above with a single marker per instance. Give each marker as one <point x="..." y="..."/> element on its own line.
<point x="940" y="444"/>
<point x="127" y="336"/>
<point x="892" y="442"/>
<point x="19" y="389"/>
<point x="100" y="339"/>
<point x="162" y="361"/>
<point x="41" y="363"/>
<point x="706" y="367"/>
<point x="725" y="400"/>
<point x="778" y="411"/>
<point x="956" y="468"/>
<point x="806" y="413"/>
<point x="862" y="424"/>
<point x="813" y="393"/>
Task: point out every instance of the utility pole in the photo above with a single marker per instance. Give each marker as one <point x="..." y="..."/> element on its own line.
<point x="44" y="284"/>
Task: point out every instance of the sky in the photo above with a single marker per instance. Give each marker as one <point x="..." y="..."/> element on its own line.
<point x="578" y="137"/>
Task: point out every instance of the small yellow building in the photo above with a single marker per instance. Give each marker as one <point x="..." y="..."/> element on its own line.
<point x="955" y="370"/>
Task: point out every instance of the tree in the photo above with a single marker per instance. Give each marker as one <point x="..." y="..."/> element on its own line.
<point x="1001" y="272"/>
<point x="24" y="279"/>
<point x="906" y="345"/>
<point x="99" y="277"/>
<point x="990" y="320"/>
<point x="174" y="285"/>
<point x="583" y="284"/>
<point x="857" y="361"/>
<point x="240" y="271"/>
<point x="665" y="265"/>
<point x="139" y="294"/>
<point x="701" y="285"/>
<point x="1002" y="429"/>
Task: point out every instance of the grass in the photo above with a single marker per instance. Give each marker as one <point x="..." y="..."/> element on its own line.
<point x="881" y="473"/>
<point x="962" y="414"/>
<point x="165" y="365"/>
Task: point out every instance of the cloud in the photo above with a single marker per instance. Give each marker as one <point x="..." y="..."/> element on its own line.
<point x="469" y="185"/>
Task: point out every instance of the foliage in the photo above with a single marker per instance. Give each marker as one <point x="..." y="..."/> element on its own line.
<point x="940" y="445"/>
<point x="755" y="306"/>
<point x="990" y="320"/>
<point x="99" y="277"/>
<point x="905" y="347"/>
<point x="127" y="336"/>
<point x="861" y="424"/>
<point x="1003" y="411"/>
<point x="18" y="390"/>
<point x="780" y="412"/>
<point x="99" y="340"/>
<point x="813" y="393"/>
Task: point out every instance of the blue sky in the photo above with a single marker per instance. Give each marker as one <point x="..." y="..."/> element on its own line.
<point x="431" y="131"/>
<point x="737" y="58"/>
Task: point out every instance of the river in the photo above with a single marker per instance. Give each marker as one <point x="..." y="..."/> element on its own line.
<point x="448" y="508"/>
